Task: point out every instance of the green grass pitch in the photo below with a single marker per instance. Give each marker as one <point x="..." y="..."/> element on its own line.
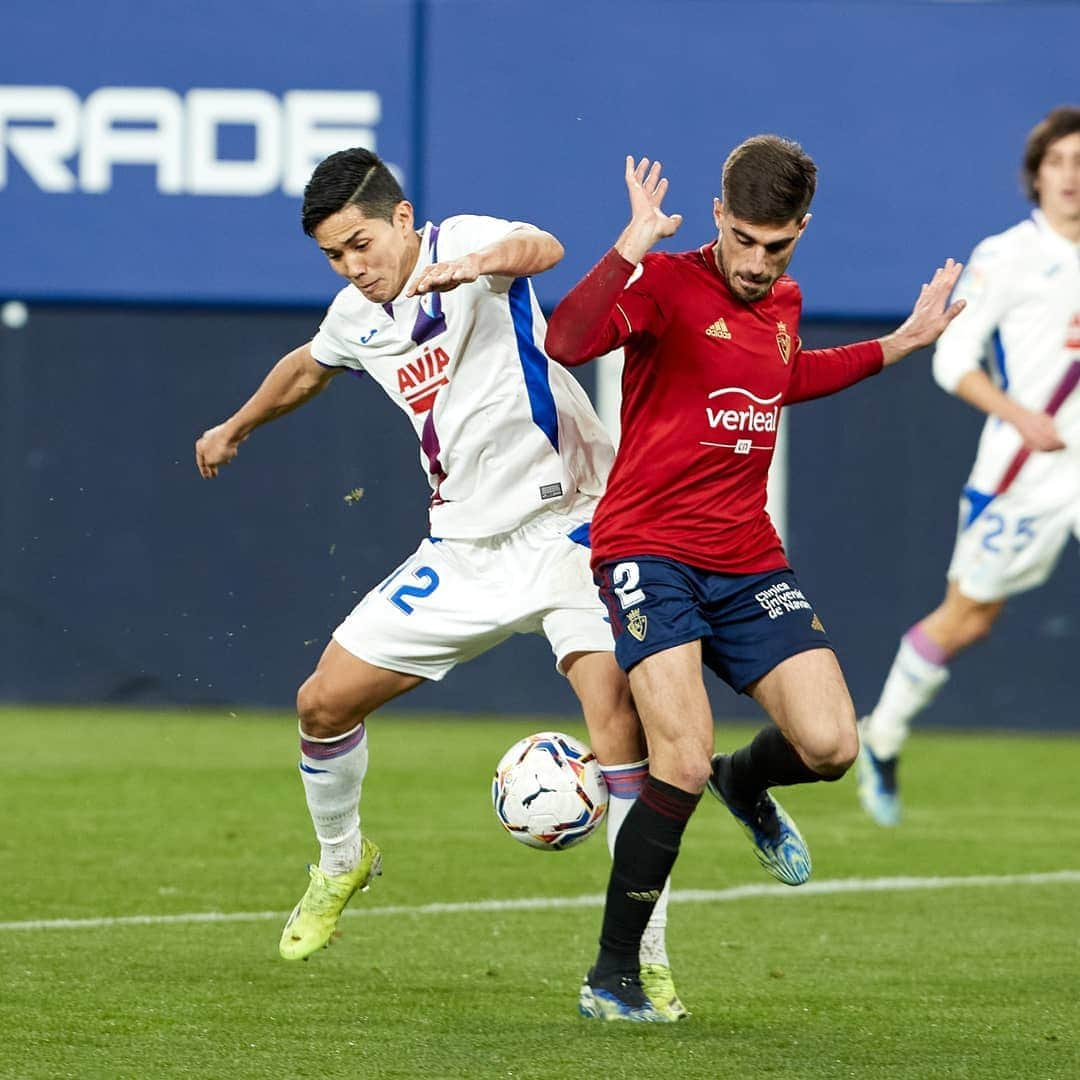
<point x="116" y="815"/>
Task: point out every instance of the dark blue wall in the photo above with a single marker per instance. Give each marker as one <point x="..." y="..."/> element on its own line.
<point x="125" y="577"/>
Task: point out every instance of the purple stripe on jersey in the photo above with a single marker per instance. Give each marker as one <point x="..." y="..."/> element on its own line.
<point x="429" y="443"/>
<point x="324" y="751"/>
<point x="625" y="781"/>
<point x="430" y="320"/>
<point x="1063" y="389"/>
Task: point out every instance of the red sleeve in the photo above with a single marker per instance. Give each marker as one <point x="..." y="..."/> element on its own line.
<point x="820" y="372"/>
<point x="589" y="320"/>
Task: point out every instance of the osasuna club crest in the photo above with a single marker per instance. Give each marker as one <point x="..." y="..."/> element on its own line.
<point x="637" y="623"/>
<point x="783" y="341"/>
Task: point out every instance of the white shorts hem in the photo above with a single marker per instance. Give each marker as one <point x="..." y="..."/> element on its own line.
<point x="397" y="665"/>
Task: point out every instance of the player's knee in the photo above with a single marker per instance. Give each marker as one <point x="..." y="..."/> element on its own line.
<point x="691" y="773"/>
<point x="321" y="716"/>
<point x="836" y="764"/>
<point x="833" y="753"/>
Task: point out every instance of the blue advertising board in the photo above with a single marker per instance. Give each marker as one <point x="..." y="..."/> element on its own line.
<point x="157" y="153"/>
<point x="915" y="113"/>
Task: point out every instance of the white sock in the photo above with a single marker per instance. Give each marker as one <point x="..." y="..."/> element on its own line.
<point x="624" y="785"/>
<point x="912" y="683"/>
<point x="333" y="771"/>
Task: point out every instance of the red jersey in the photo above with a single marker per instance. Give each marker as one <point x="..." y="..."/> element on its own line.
<point x="704" y="380"/>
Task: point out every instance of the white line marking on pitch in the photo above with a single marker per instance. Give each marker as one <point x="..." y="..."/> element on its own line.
<point x="541" y="903"/>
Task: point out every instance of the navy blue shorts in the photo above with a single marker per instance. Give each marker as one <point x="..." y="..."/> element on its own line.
<point x="746" y="623"/>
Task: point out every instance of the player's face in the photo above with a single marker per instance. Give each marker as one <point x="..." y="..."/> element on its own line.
<point x="1058" y="179"/>
<point x="376" y="256"/>
<point x="751" y="257"/>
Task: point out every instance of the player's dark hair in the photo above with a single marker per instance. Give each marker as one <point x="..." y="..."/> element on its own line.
<point x="355" y="177"/>
<point x="768" y="180"/>
<point x="1059" y="122"/>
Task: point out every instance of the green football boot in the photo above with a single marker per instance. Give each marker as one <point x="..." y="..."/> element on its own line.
<point x="659" y="988"/>
<point x="312" y="924"/>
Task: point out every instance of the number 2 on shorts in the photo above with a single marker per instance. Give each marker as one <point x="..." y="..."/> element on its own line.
<point x="624" y="580"/>
<point x="422" y="574"/>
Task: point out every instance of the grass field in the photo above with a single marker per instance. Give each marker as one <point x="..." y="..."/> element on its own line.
<point x="120" y="820"/>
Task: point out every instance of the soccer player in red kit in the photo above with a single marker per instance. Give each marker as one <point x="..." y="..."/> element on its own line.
<point x="687" y="560"/>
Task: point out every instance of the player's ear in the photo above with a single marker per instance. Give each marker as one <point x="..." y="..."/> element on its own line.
<point x="403" y="215"/>
<point x="802" y="224"/>
<point x="717" y="211"/>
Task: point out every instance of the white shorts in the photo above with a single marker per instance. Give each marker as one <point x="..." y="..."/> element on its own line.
<point x="1011" y="546"/>
<point x="454" y="599"/>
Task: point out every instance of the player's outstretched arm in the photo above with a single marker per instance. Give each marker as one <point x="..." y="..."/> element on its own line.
<point x="646" y="187"/>
<point x="584" y="324"/>
<point x="294" y="379"/>
<point x="1037" y="429"/>
<point x="521" y="253"/>
<point x="929" y="317"/>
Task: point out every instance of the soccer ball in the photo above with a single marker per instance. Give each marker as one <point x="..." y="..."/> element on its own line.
<point x="549" y="792"/>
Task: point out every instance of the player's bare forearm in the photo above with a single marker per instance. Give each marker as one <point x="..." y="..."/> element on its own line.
<point x="977" y="389"/>
<point x="1036" y="429"/>
<point x="294" y="379"/>
<point x="522" y="253"/>
<point x="636" y="241"/>
<point x="929" y="317"/>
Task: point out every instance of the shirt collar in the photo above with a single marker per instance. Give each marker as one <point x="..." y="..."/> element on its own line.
<point x="1051" y="236"/>
<point x="424" y="258"/>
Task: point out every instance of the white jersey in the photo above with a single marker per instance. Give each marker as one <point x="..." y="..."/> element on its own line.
<point x="1023" y="319"/>
<point x="504" y="432"/>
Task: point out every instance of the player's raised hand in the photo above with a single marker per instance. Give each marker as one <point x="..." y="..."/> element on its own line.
<point x="444" y="276"/>
<point x="929" y="317"/>
<point x="646" y="185"/>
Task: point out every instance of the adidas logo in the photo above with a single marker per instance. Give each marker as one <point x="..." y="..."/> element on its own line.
<point x="719" y="330"/>
<point x="650" y="897"/>
<point x="816" y="624"/>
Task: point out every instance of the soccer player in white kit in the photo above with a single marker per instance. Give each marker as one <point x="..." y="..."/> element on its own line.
<point x="444" y="318"/>
<point x="1022" y="498"/>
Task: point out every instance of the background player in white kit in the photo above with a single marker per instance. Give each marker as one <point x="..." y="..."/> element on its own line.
<point x="445" y="320"/>
<point x="1022" y="499"/>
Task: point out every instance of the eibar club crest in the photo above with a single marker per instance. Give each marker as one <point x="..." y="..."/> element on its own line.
<point x="719" y="330"/>
<point x="637" y="624"/>
<point x="783" y="341"/>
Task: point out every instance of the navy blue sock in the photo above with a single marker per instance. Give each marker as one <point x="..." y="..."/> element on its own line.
<point x="768" y="761"/>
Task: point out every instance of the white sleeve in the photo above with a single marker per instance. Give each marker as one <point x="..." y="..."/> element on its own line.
<point x="329" y="347"/>
<point x="466" y="233"/>
<point x="984" y="285"/>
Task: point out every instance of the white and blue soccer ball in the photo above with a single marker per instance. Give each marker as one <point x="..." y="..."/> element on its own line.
<point x="549" y="792"/>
